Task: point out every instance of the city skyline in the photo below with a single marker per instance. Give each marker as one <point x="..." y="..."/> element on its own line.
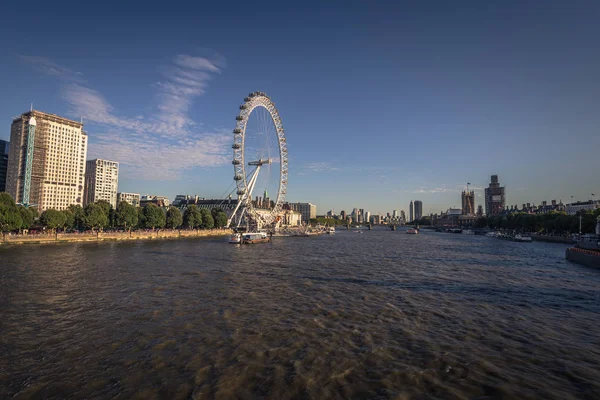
<point x="163" y="106"/>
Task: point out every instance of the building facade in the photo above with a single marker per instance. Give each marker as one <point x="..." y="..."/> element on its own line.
<point x="418" y="209"/>
<point x="494" y="197"/>
<point x="101" y="181"/>
<point x="411" y="211"/>
<point x="468" y="202"/>
<point x="161" y="201"/>
<point x="574" y="208"/>
<point x="46" y="162"/>
<point x="4" y="148"/>
<point x="308" y="211"/>
<point x="131" y="198"/>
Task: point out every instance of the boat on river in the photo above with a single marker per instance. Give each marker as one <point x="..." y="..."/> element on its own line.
<point x="514" y="238"/>
<point x="255" y="237"/>
<point x="236" y="238"/>
<point x="412" y="231"/>
<point x="587" y="249"/>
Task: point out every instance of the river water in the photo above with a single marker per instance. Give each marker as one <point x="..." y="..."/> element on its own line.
<point x="380" y="314"/>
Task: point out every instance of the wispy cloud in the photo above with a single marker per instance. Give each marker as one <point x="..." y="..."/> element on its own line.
<point x="158" y="147"/>
<point x="49" y="67"/>
<point x="320" y="167"/>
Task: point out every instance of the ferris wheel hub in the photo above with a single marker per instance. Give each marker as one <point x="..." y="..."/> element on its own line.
<point x="261" y="162"/>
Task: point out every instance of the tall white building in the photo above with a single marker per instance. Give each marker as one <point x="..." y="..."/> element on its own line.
<point x="46" y="162"/>
<point x="101" y="181"/>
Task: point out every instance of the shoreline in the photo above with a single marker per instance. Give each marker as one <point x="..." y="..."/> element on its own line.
<point x="110" y="236"/>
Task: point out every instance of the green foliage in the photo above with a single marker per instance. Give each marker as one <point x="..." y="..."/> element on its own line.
<point x="78" y="216"/>
<point x="141" y="222"/>
<point x="27" y="217"/>
<point x="174" y="218"/>
<point x="328" y="221"/>
<point x="207" y="219"/>
<point x="52" y="219"/>
<point x="126" y="215"/>
<point x="94" y="216"/>
<point x="108" y="210"/>
<point x="6" y="199"/>
<point x="10" y="217"/>
<point x="69" y="219"/>
<point x="220" y="219"/>
<point x="557" y="223"/>
<point x="154" y="217"/>
<point x="192" y="217"/>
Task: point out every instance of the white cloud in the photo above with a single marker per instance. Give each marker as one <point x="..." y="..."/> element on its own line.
<point x="159" y="147"/>
<point x="320" y="167"/>
<point x="49" y="67"/>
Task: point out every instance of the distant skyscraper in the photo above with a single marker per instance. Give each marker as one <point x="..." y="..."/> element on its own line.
<point x="46" y="164"/>
<point x="479" y="211"/>
<point x="367" y="217"/>
<point x="494" y="197"/>
<point x="101" y="181"/>
<point x="411" y="211"/>
<point x="418" y="209"/>
<point x="4" y="149"/>
<point x="468" y="202"/>
<point x="342" y="215"/>
<point x="395" y="214"/>
<point x="403" y="215"/>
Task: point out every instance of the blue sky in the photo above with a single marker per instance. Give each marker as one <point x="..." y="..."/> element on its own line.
<point x="382" y="102"/>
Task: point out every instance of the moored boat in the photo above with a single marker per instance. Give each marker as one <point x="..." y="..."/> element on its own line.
<point x="587" y="250"/>
<point x="236" y="238"/>
<point x="255" y="237"/>
<point x="412" y="231"/>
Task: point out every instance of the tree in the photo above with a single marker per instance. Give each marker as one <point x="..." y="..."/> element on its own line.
<point x="154" y="217"/>
<point x="52" y="219"/>
<point x="94" y="217"/>
<point x="174" y="218"/>
<point x="192" y="217"/>
<point x="126" y="215"/>
<point x="220" y="219"/>
<point x="10" y="217"/>
<point x="78" y="216"/>
<point x="69" y="219"/>
<point x="26" y="217"/>
<point x="141" y="222"/>
<point x="107" y="209"/>
<point x="207" y="219"/>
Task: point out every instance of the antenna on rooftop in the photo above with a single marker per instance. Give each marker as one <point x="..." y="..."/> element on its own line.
<point x="31" y="107"/>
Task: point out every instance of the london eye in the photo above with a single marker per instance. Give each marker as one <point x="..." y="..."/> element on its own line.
<point x="260" y="163"/>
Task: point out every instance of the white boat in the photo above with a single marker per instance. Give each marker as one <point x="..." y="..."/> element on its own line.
<point x="236" y="238"/>
<point x="255" y="237"/>
<point x="331" y="230"/>
<point x="491" y="234"/>
<point x="412" y="231"/>
<point x="467" y="232"/>
<point x="521" y="238"/>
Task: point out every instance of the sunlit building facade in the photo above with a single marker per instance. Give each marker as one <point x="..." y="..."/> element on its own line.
<point x="46" y="162"/>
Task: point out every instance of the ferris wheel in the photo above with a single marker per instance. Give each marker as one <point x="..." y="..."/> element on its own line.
<point x="264" y="149"/>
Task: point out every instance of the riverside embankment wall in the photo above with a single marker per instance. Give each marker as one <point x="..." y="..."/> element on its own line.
<point x="107" y="236"/>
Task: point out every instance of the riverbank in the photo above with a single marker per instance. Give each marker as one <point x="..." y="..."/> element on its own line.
<point x="110" y="236"/>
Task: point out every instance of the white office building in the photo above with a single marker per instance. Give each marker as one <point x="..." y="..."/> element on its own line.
<point x="101" y="181"/>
